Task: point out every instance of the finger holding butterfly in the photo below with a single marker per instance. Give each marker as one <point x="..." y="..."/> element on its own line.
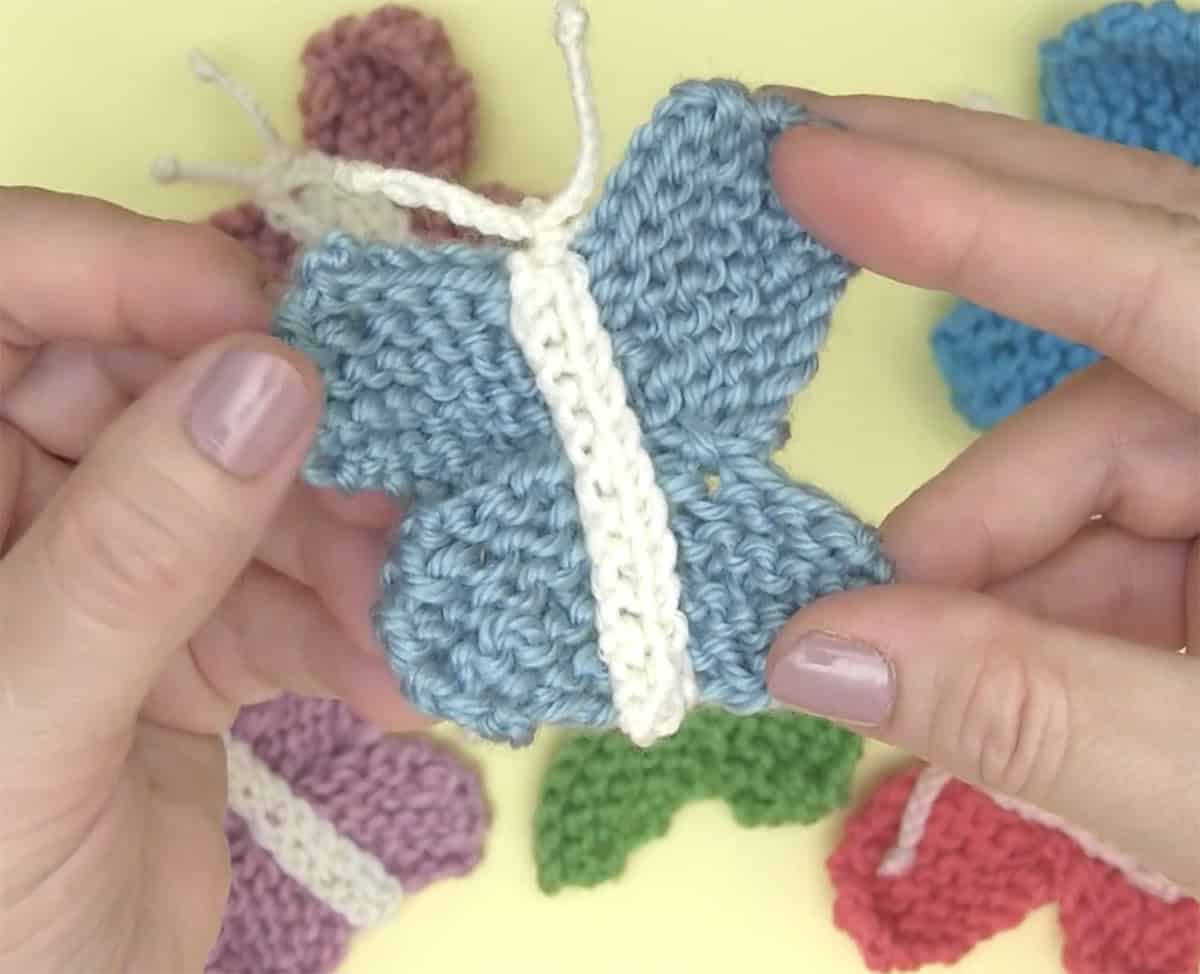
<point x="969" y="661"/>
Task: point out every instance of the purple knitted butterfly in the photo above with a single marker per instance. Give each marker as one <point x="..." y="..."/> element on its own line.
<point x="331" y="824"/>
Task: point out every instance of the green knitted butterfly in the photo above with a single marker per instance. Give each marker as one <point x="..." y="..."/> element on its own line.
<point x="603" y="797"/>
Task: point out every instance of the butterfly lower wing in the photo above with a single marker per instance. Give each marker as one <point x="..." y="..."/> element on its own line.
<point x="487" y="613"/>
<point x="754" y="549"/>
<point x="1112" y="925"/>
<point x="423" y="379"/>
<point x="486" y="610"/>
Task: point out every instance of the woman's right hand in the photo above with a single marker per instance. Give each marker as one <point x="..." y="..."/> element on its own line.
<point x="1028" y="647"/>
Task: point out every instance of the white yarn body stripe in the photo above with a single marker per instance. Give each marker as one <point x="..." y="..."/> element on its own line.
<point x="307" y="847"/>
<point x="929" y="785"/>
<point x="642" y="632"/>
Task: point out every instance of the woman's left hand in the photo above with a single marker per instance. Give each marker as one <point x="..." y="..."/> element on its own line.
<point x="159" y="568"/>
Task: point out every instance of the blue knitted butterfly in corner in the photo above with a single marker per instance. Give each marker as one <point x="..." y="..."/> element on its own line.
<point x="715" y="303"/>
<point x="1128" y="74"/>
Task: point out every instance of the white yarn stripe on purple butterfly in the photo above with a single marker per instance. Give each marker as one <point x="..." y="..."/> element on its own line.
<point x="331" y="824"/>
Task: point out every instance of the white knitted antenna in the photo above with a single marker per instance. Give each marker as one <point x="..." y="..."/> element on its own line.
<point x="292" y="186"/>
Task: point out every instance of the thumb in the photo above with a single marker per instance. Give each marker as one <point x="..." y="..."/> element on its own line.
<point x="148" y="534"/>
<point x="1089" y="728"/>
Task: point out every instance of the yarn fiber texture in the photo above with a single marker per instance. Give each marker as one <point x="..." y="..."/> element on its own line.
<point x="603" y="797"/>
<point x="1126" y="74"/>
<point x="716" y="304"/>
<point x="979" y="870"/>
<point x="386" y="88"/>
<point x="410" y="809"/>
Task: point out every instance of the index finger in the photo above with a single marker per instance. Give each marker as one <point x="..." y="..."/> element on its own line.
<point x="1116" y="276"/>
<point x="1033" y="151"/>
<point x="80" y="268"/>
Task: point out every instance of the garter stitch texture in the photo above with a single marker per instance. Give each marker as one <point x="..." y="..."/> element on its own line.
<point x="1127" y="74"/>
<point x="387" y="88"/>
<point x="383" y="88"/>
<point x="603" y="797"/>
<point x="929" y="867"/>
<point x="713" y="303"/>
<point x="331" y="824"/>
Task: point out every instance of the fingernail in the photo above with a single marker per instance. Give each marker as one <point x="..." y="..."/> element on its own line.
<point x="247" y="411"/>
<point x="835" y="678"/>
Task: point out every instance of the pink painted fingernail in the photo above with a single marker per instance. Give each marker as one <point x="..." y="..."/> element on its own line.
<point x="835" y="678"/>
<point x="248" y="411"/>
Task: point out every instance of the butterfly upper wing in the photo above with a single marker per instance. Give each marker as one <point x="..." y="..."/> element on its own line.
<point x="603" y="796"/>
<point x="716" y="299"/>
<point x="978" y="871"/>
<point x="718" y="302"/>
<point x="424" y="382"/>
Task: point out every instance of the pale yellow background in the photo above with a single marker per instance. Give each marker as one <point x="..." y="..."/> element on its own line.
<point x="94" y="89"/>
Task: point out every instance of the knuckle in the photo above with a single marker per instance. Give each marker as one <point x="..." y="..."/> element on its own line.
<point x="114" y="552"/>
<point x="12" y="472"/>
<point x="1176" y="181"/>
<point x="1135" y="310"/>
<point x="968" y="250"/>
<point x="215" y="245"/>
<point x="1004" y="721"/>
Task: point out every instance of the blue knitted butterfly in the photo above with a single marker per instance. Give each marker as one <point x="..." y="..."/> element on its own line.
<point x="716" y="303"/>
<point x="1128" y="74"/>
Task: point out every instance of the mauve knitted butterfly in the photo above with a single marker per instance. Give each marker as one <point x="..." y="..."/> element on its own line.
<point x="385" y="88"/>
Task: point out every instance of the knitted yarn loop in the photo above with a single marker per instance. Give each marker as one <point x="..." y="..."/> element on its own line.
<point x="579" y="411"/>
